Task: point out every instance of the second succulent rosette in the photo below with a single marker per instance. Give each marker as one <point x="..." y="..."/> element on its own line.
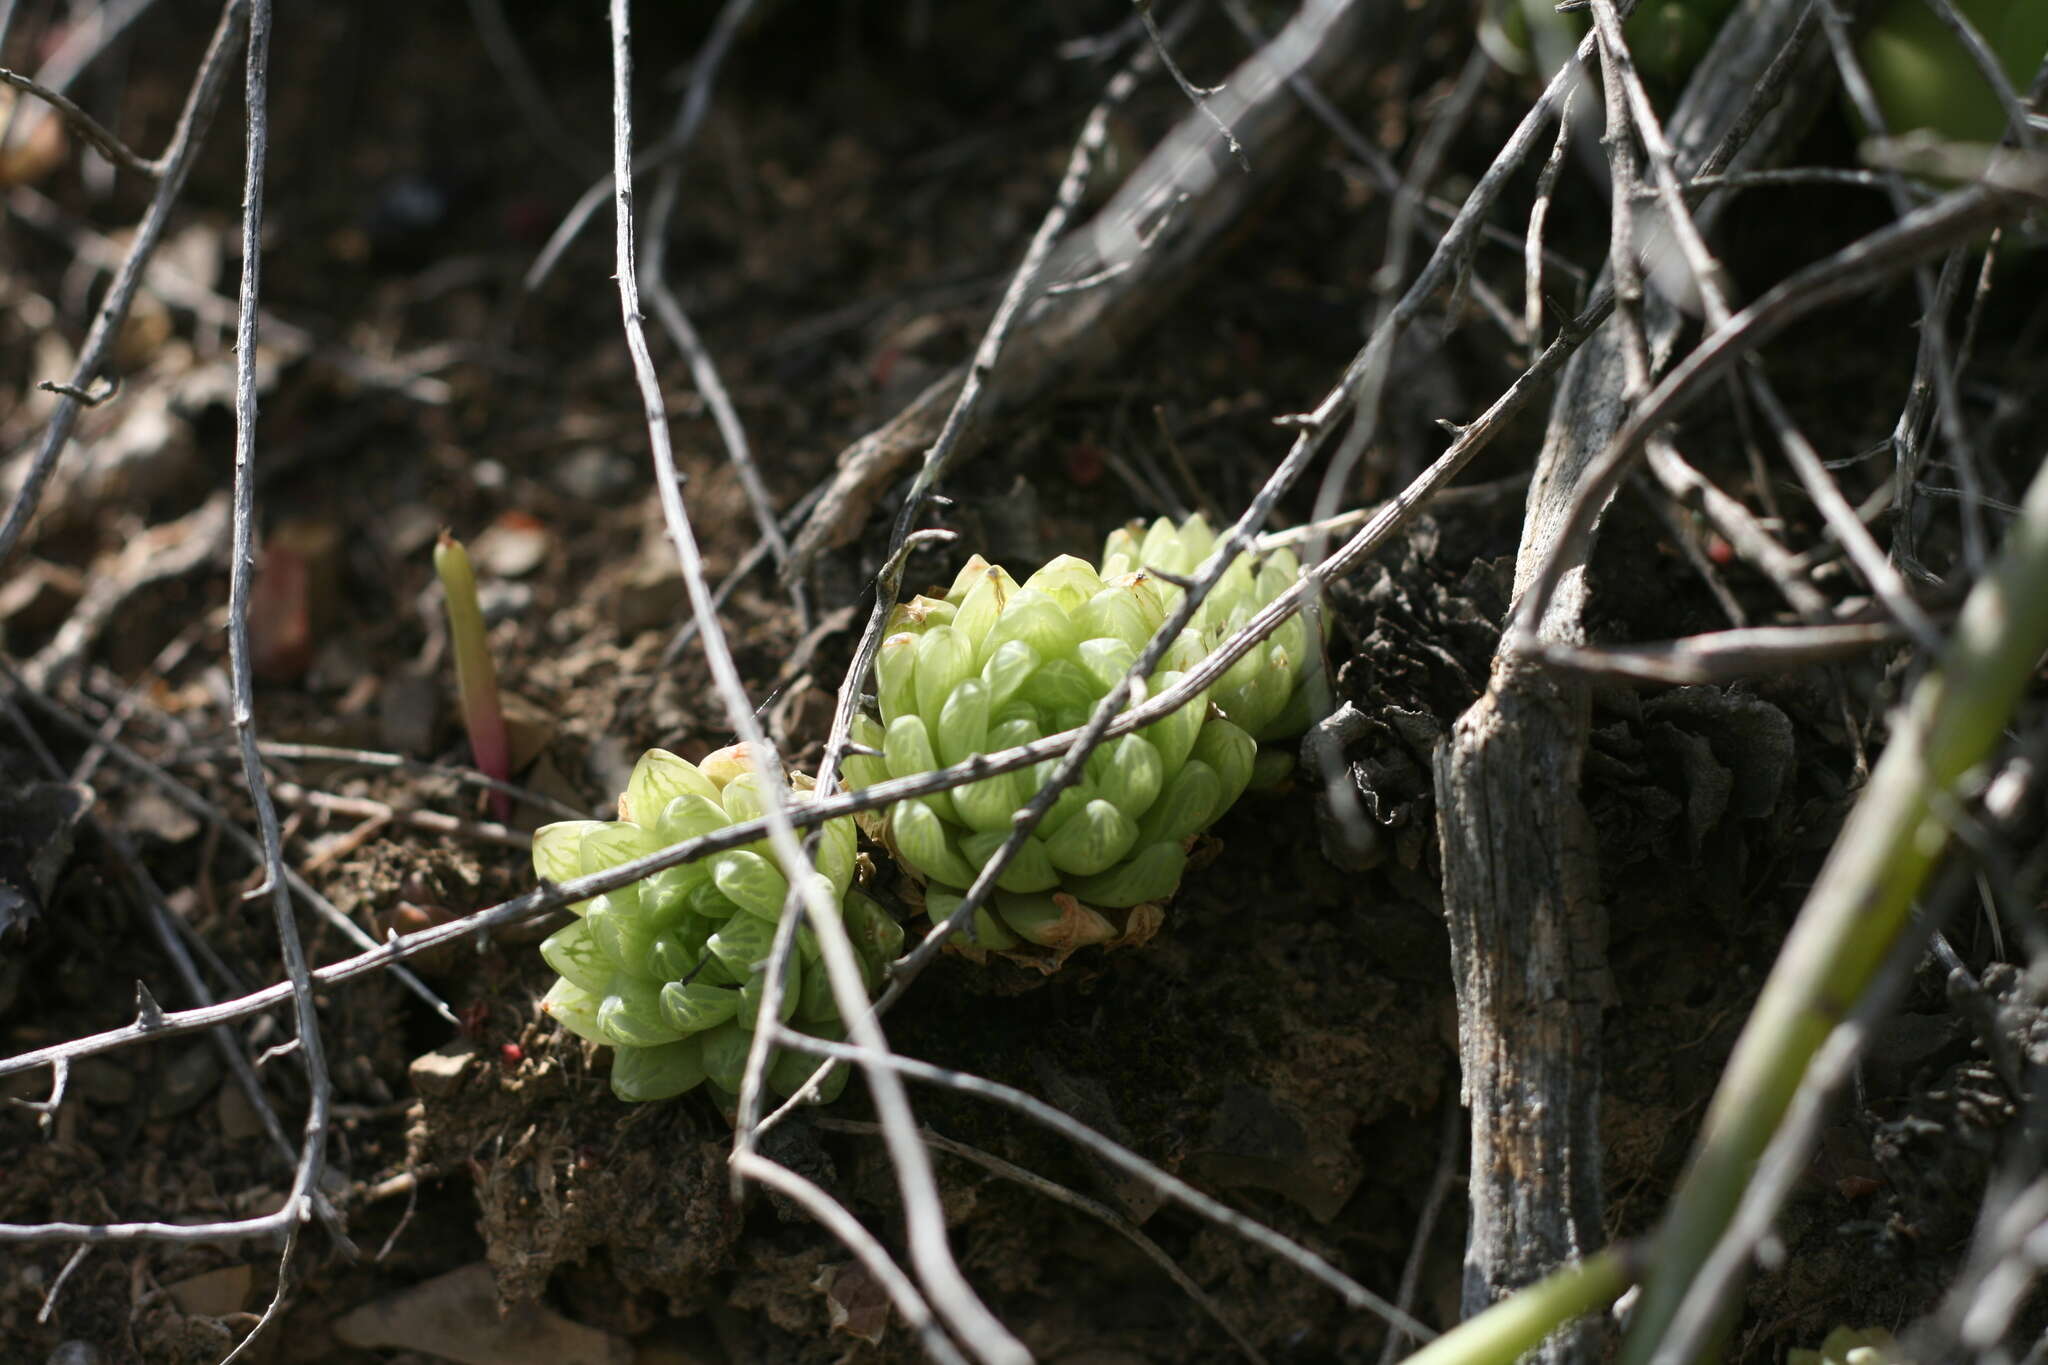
<point x="995" y="663"/>
<point x="671" y="970"/>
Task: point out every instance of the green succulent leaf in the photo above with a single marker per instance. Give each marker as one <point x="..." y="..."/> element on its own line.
<point x="1129" y="773"/>
<point x="944" y="660"/>
<point x="1093" y="840"/>
<point x="574" y="953"/>
<point x="790" y="1069"/>
<point x="751" y="882"/>
<point x="755" y="988"/>
<point x="1007" y="669"/>
<point x="1068" y="580"/>
<point x="629" y="1015"/>
<point x="982" y="605"/>
<point x="923" y="842"/>
<point x="1149" y="876"/>
<point x="896" y="676"/>
<point x="1031" y="870"/>
<point x="659" y="778"/>
<point x="1187" y="806"/>
<point x="640" y="1074"/>
<point x="558" y="849"/>
<point x="672" y="957"/>
<point x="876" y="935"/>
<point x="693" y="1006"/>
<point x="740" y="942"/>
<point x="1038" y="621"/>
<point x="623" y="933"/>
<point x="725" y="1055"/>
<point x="575" y="1009"/>
<point x="963" y="722"/>
<point x="1231" y="753"/>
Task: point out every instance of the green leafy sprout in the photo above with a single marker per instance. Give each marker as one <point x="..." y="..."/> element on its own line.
<point x="995" y="663"/>
<point x="671" y="970"/>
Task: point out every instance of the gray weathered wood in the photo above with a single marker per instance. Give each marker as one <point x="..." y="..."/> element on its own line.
<point x="1527" y="925"/>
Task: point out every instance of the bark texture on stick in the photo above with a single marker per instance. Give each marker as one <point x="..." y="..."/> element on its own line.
<point x="1527" y="926"/>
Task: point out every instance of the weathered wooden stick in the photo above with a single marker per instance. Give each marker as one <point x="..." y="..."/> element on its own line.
<point x="1527" y="926"/>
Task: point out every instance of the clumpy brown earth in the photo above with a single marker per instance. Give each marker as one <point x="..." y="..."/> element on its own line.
<point x="862" y="185"/>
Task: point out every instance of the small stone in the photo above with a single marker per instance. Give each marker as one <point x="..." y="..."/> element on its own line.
<point x="653" y="596"/>
<point x="438" y="1074"/>
<point x="529" y="728"/>
<point x="597" y="474"/>
<point x="190" y="1079"/>
<point x="238" y="1118"/>
<point x="149" y="811"/>
<point x="100" y="1081"/>
<point x="513" y="546"/>
<point x="214" y="1294"/>
<point x="409" y="529"/>
<point x="455" y="1317"/>
<point x="75" y="1353"/>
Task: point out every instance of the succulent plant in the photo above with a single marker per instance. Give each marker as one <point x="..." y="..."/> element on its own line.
<point x="670" y="970"/>
<point x="995" y="663"/>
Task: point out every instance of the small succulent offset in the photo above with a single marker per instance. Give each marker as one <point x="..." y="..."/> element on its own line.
<point x="995" y="663"/>
<point x="670" y="970"/>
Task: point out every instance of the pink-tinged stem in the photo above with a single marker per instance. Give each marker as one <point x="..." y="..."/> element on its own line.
<point x="481" y="714"/>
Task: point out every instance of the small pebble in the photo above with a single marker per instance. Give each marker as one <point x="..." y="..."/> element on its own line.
<point x="437" y="1074"/>
<point x="188" y="1080"/>
<point x="501" y="601"/>
<point x="513" y="546"/>
<point x="596" y="474"/>
<point x="76" y="1353"/>
<point x="100" y="1081"/>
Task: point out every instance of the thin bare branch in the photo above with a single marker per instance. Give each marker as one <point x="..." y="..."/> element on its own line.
<point x="86" y="126"/>
<point x="857" y="1239"/>
<point x="93" y="355"/>
<point x="1722" y="656"/>
<point x="1073" y="1199"/>
<point x="306" y="1016"/>
<point x="1124" y="1159"/>
<point x="1925" y="231"/>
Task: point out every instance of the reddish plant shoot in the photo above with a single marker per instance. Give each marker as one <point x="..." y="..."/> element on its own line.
<point x="481" y="714"/>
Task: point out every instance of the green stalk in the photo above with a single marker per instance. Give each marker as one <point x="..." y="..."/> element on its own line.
<point x="1860" y="904"/>
<point x="1518" y="1323"/>
<point x="478" y="680"/>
